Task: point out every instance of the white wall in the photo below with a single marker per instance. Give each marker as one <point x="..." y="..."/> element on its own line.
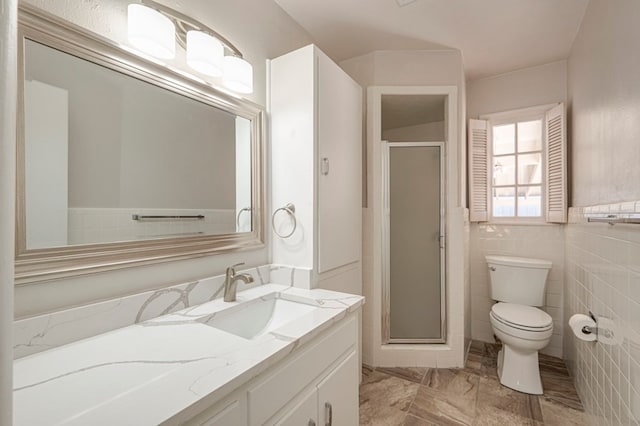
<point x="605" y="104"/>
<point x="541" y="85"/>
<point x="412" y="68"/>
<point x="147" y="147"/>
<point x="46" y="152"/>
<point x="266" y="32"/>
<point x="428" y="132"/>
<point x="8" y="51"/>
<point x="544" y="84"/>
<point x="603" y="270"/>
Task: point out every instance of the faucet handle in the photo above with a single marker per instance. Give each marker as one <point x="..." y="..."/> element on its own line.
<point x="232" y="269"/>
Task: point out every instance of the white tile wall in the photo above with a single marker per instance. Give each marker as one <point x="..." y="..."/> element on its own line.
<point x="536" y="241"/>
<point x="96" y="225"/>
<point x="603" y="275"/>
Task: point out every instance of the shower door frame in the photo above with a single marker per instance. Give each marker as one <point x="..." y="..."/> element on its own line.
<point x="386" y="245"/>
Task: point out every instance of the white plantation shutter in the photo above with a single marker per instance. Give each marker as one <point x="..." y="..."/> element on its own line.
<point x="556" y="154"/>
<point x="478" y="171"/>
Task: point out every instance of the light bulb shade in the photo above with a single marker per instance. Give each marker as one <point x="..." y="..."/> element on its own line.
<point x="151" y="32"/>
<point x="204" y="53"/>
<point x="238" y="75"/>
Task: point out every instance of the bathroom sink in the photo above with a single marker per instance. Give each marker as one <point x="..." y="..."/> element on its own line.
<point x="257" y="317"/>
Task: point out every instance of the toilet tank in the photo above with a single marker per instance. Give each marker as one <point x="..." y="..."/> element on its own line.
<point x="518" y="279"/>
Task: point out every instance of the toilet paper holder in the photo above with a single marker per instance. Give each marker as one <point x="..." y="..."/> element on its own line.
<point x="596" y="330"/>
<point x="587" y="329"/>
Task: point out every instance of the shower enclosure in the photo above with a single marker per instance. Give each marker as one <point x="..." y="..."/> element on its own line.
<point x="413" y="243"/>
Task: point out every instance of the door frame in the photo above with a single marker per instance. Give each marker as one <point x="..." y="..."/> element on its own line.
<point x="386" y="243"/>
<point x="451" y="353"/>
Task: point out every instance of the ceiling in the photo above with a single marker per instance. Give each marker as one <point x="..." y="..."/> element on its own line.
<point x="495" y="36"/>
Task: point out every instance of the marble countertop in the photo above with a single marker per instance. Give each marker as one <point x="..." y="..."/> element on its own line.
<point x="149" y="372"/>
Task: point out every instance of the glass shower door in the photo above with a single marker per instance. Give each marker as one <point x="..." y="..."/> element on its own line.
<point x="414" y="233"/>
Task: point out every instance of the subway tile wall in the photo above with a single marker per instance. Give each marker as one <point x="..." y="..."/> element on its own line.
<point x="603" y="275"/>
<point x="97" y="225"/>
<point x="536" y="241"/>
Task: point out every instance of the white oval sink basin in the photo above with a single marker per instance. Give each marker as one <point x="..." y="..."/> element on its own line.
<point x="256" y="317"/>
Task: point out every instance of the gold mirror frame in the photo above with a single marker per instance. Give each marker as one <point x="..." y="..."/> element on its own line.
<point x="37" y="265"/>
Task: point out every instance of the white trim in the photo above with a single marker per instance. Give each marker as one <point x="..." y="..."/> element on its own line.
<point x="8" y="99"/>
<point x="521" y="112"/>
<point x="446" y="355"/>
<point x="513" y="117"/>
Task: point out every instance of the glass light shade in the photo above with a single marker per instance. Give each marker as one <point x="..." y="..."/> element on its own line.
<point x="151" y="32"/>
<point x="238" y="75"/>
<point x="204" y="53"/>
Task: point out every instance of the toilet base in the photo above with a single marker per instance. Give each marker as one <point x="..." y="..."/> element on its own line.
<point x="519" y="370"/>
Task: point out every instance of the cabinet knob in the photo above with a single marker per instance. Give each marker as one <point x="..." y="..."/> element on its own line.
<point x="311" y="422"/>
<point x="324" y="168"/>
<point x="328" y="414"/>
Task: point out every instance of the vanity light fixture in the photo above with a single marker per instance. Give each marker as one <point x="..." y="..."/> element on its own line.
<point x="238" y="75"/>
<point x="204" y="53"/>
<point x="151" y="32"/>
<point x="207" y="51"/>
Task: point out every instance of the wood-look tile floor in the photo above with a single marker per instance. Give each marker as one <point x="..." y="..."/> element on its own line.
<point x="468" y="396"/>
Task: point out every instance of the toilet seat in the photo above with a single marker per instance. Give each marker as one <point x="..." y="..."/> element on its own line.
<point x="522" y="317"/>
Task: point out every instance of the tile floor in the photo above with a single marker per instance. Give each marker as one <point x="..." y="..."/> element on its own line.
<point x="469" y="396"/>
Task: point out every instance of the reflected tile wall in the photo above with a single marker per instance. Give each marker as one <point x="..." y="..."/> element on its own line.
<point x="90" y="225"/>
<point x="603" y="275"/>
<point x="536" y="241"/>
<point x="36" y="334"/>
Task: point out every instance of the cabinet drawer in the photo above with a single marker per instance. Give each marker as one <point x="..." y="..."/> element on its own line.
<point x="271" y="394"/>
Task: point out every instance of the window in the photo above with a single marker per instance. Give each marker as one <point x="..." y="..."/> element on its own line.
<point x="517" y="169"/>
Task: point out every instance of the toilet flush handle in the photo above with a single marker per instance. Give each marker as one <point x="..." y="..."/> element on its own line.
<point x="492" y="268"/>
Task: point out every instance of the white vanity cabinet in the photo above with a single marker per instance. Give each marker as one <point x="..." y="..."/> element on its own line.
<point x="331" y="402"/>
<point x="316" y="384"/>
<point x="316" y="163"/>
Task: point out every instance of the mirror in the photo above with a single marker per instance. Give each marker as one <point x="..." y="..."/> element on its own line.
<point x="122" y="161"/>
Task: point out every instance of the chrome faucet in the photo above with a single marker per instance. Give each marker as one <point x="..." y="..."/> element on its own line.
<point x="231" y="282"/>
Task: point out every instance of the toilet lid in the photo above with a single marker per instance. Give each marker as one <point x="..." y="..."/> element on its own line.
<point x="522" y="316"/>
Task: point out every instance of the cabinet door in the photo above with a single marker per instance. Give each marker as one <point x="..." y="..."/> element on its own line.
<point x="338" y="395"/>
<point x="305" y="413"/>
<point x="233" y="414"/>
<point x="339" y="117"/>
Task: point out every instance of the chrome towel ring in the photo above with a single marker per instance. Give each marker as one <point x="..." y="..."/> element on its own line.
<point x="242" y="210"/>
<point x="290" y="209"/>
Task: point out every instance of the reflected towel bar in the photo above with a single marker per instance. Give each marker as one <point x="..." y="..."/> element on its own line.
<point x="612" y="220"/>
<point x="141" y="217"/>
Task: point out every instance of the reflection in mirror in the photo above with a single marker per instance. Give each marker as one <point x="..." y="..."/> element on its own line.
<point x="111" y="158"/>
<point x="126" y="162"/>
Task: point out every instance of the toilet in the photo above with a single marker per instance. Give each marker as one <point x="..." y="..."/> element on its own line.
<point x="518" y="285"/>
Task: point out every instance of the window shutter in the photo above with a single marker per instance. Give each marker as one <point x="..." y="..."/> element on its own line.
<point x="478" y="171"/>
<point x="556" y="153"/>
